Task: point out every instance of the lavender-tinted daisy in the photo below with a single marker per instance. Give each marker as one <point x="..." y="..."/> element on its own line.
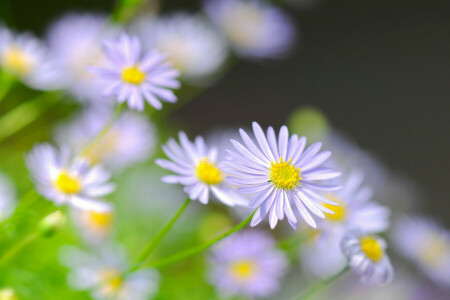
<point x="367" y="257"/>
<point x="25" y="57"/>
<point x="196" y="167"/>
<point x="427" y="244"/>
<point x="131" y="76"/>
<point x="255" y="29"/>
<point x="62" y="179"/>
<point x="93" y="225"/>
<point x="130" y="140"/>
<point x="278" y="174"/>
<point x="247" y="263"/>
<point x="101" y="273"/>
<point x="192" y="46"/>
<point x="75" y="43"/>
<point x="7" y="197"/>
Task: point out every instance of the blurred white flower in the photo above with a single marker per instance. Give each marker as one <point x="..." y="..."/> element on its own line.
<point x="102" y="274"/>
<point x="191" y="44"/>
<point x="130" y="140"/>
<point x="65" y="180"/>
<point x="255" y="29"/>
<point x="7" y="197"/>
<point x="94" y="226"/>
<point x="426" y="244"/>
<point x="75" y="43"/>
<point x="27" y="58"/>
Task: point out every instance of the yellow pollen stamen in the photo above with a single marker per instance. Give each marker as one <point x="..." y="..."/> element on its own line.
<point x="340" y="211"/>
<point x="284" y="175"/>
<point x="133" y="75"/>
<point x="208" y="172"/>
<point x="112" y="280"/>
<point x="100" y="219"/>
<point x="16" y="61"/>
<point x="243" y="270"/>
<point x="433" y="251"/>
<point x="372" y="248"/>
<point x="67" y="183"/>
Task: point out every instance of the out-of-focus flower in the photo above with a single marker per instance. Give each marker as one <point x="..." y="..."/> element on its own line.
<point x="8" y="294"/>
<point x="25" y="57"/>
<point x="367" y="257"/>
<point x="255" y="29"/>
<point x="102" y="274"/>
<point x="247" y="263"/>
<point x="279" y="172"/>
<point x="130" y="140"/>
<point x="427" y="244"/>
<point x="75" y="43"/>
<point x="196" y="168"/>
<point x="94" y="226"/>
<point x="130" y="76"/>
<point x="322" y="256"/>
<point x="62" y="179"/>
<point x="192" y="46"/>
<point x="7" y="197"/>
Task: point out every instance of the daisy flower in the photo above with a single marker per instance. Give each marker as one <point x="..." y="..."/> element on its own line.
<point x="247" y="263"/>
<point x="367" y="257"/>
<point x="7" y="197"/>
<point x="279" y="174"/>
<point x="427" y="244"/>
<point x="101" y="273"/>
<point x="61" y="179"/>
<point x="25" y="57"/>
<point x="192" y="46"/>
<point x="130" y="76"/>
<point x="75" y="43"/>
<point x="255" y="29"/>
<point x="131" y="139"/>
<point x="196" y="168"/>
<point x="93" y="225"/>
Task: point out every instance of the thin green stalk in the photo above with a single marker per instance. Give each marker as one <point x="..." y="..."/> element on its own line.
<point x="319" y="286"/>
<point x="159" y="236"/>
<point x="197" y="249"/>
<point x="17" y="247"/>
<point x="104" y="130"/>
<point x="25" y="113"/>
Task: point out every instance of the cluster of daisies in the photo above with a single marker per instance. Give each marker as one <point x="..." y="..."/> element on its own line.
<point x="275" y="175"/>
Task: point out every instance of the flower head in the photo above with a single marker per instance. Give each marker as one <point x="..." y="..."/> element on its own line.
<point x="61" y="179"/>
<point x="427" y="244"/>
<point x="247" y="263"/>
<point x="254" y="29"/>
<point x="94" y="225"/>
<point x="279" y="174"/>
<point x="197" y="169"/>
<point x="130" y="76"/>
<point x="191" y="45"/>
<point x="367" y="257"/>
<point x="25" y="57"/>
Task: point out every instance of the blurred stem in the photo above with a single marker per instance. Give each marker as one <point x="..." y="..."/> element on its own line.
<point x="125" y="10"/>
<point x="159" y="236"/>
<point x="319" y="286"/>
<point x="197" y="249"/>
<point x="25" y="202"/>
<point x="295" y="240"/>
<point x="25" y="113"/>
<point x="28" y="239"/>
<point x="104" y="130"/>
<point x="7" y="82"/>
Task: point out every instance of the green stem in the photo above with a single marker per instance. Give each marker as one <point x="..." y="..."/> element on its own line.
<point x="7" y="82"/>
<point x="104" y="130"/>
<point x="319" y="286"/>
<point x="159" y="236"/>
<point x="25" y="202"/>
<point x="197" y="249"/>
<point x="25" y="113"/>
<point x="17" y="247"/>
<point x="126" y="9"/>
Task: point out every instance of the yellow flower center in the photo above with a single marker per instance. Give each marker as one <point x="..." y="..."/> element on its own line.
<point x="208" y="172"/>
<point x="133" y="75"/>
<point x="67" y="183"/>
<point x="8" y="294"/>
<point x="371" y="248"/>
<point x="112" y="281"/>
<point x="243" y="270"/>
<point x="99" y="219"/>
<point x="16" y="61"/>
<point x="104" y="147"/>
<point x="243" y="23"/>
<point x="433" y="251"/>
<point x="284" y="175"/>
<point x="340" y="211"/>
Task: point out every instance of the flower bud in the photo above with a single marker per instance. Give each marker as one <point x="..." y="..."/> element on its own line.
<point x="52" y="224"/>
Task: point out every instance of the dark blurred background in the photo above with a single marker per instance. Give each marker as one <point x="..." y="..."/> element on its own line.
<point x="378" y="69"/>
